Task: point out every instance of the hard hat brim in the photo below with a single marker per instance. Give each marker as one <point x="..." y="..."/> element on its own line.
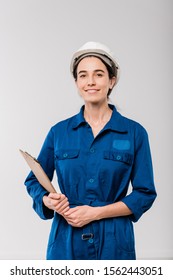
<point x="109" y="59"/>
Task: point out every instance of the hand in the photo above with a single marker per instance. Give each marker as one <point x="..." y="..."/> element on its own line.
<point x="80" y="215"/>
<point x="57" y="202"/>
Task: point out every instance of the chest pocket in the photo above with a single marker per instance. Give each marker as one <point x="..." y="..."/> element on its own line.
<point x="66" y="154"/>
<point x="66" y="164"/>
<point x="118" y="156"/>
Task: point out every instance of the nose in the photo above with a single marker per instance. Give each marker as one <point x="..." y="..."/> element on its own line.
<point x="91" y="80"/>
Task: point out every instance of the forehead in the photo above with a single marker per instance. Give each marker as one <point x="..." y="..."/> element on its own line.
<point x="91" y="63"/>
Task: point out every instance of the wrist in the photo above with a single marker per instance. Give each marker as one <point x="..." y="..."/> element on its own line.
<point x="99" y="213"/>
<point x="44" y="198"/>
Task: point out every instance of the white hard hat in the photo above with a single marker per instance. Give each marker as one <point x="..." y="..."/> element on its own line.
<point x="98" y="50"/>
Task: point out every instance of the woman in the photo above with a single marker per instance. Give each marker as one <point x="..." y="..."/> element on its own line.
<point x="96" y="154"/>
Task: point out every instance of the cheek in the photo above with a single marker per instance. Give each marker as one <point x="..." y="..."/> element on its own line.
<point x="104" y="83"/>
<point x="105" y="86"/>
<point x="79" y="88"/>
<point x="79" y="85"/>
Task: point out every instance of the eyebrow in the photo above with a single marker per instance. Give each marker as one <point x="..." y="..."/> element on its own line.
<point x="97" y="70"/>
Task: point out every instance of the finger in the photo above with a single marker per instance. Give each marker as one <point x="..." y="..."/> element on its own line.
<point x="64" y="210"/>
<point x="75" y="224"/>
<point x="70" y="211"/>
<point x="62" y="205"/>
<point x="54" y="195"/>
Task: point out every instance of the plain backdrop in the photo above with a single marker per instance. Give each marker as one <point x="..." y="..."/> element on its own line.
<point x="37" y="41"/>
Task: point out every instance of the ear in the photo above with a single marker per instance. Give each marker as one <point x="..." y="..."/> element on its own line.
<point x="76" y="83"/>
<point x="112" y="82"/>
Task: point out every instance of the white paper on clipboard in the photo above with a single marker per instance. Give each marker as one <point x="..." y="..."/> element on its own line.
<point x="38" y="172"/>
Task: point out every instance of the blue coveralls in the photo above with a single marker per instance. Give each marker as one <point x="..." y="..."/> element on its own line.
<point x="96" y="172"/>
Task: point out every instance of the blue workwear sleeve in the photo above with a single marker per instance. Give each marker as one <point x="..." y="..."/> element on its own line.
<point x="35" y="190"/>
<point x="143" y="190"/>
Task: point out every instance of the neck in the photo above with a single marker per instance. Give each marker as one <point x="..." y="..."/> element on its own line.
<point x="97" y="114"/>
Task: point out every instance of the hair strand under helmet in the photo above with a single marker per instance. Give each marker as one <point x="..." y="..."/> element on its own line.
<point x="99" y="50"/>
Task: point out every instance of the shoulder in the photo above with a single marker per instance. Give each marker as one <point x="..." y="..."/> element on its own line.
<point x="124" y="124"/>
<point x="63" y="124"/>
<point x="134" y="129"/>
<point x="136" y="132"/>
<point x="134" y="125"/>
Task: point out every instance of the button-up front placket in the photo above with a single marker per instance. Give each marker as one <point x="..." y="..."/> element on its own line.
<point x="96" y="172"/>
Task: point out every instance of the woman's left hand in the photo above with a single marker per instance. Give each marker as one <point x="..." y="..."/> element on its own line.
<point x="80" y="215"/>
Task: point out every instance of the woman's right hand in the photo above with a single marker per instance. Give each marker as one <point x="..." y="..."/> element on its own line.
<point x="57" y="202"/>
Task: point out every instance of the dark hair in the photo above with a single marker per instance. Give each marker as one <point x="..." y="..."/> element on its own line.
<point x="109" y="69"/>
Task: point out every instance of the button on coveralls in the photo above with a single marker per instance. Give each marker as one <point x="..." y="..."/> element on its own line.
<point x="96" y="172"/>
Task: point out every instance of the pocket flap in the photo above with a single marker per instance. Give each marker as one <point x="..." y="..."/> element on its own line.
<point x="119" y="156"/>
<point x="67" y="153"/>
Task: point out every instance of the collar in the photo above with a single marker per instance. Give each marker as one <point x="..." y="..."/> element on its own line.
<point x="79" y="118"/>
<point x="117" y="121"/>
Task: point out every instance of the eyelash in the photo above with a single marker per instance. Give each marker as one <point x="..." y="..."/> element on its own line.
<point x="98" y="74"/>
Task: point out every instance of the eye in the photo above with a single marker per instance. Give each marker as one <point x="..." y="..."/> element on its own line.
<point x="99" y="74"/>
<point x="82" y="76"/>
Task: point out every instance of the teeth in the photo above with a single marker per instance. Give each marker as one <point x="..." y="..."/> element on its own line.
<point x="91" y="90"/>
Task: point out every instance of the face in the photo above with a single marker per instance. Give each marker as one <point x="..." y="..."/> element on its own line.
<point x="93" y="80"/>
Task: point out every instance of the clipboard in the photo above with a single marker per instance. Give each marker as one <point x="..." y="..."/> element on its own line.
<point x="38" y="171"/>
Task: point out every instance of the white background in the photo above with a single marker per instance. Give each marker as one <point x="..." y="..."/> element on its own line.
<point x="37" y="41"/>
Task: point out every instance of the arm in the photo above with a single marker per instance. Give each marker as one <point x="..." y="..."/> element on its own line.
<point x="143" y="190"/>
<point x="35" y="190"/>
<point x="116" y="209"/>
<point x="82" y="215"/>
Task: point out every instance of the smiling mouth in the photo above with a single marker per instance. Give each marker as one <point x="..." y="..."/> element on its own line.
<point x="92" y="90"/>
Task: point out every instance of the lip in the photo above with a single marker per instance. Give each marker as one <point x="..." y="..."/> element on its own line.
<point x="93" y="90"/>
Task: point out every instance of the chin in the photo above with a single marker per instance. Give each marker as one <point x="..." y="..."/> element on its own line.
<point x="95" y="101"/>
